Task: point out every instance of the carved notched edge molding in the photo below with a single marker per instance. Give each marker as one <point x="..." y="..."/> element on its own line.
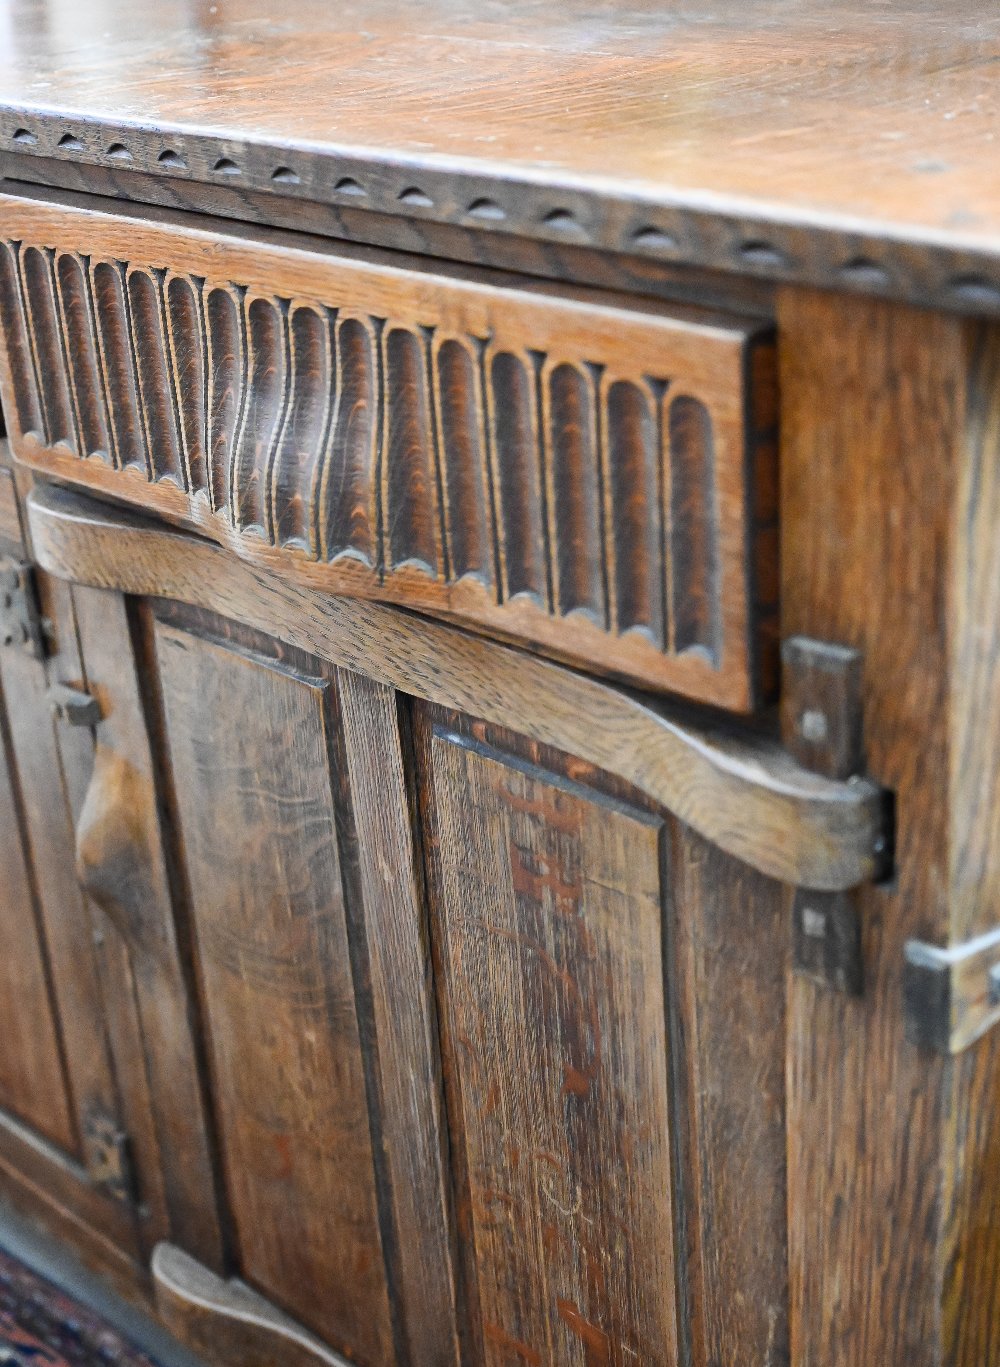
<point x="736" y="237"/>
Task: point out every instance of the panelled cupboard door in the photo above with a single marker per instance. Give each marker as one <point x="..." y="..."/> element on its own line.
<point x="74" y="1143"/>
<point x="494" y="1045"/>
<point x="611" y="1008"/>
<point x="491" y="1044"/>
<point x="315" y="1128"/>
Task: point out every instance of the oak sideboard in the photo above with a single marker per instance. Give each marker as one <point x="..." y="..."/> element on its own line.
<point x="500" y="676"/>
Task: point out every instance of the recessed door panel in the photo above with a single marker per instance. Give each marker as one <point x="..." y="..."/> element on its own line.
<point x="32" y="1082"/>
<point x="549" y="928"/>
<point x="249" y="740"/>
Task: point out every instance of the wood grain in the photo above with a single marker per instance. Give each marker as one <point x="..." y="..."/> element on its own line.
<point x="727" y="1176"/>
<point x="547" y="912"/>
<point x="228" y="1320"/>
<point x="278" y="1000"/>
<point x="561" y="468"/>
<point x="33" y="1083"/>
<point x="838" y="145"/>
<point x="872" y="414"/>
<point x="743" y="793"/>
<point x="974" y="693"/>
<point x="178" y="1189"/>
<point x="726" y="929"/>
<point x="102" y="1052"/>
<point x="406" y="1048"/>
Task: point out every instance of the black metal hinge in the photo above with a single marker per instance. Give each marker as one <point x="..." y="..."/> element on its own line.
<point x="74" y="706"/>
<point x="952" y="996"/>
<point x="821" y="726"/>
<point x="21" y="625"/>
<point x="109" y="1157"/>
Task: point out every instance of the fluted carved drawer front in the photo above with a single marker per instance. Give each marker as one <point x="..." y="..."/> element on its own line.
<point x="564" y="468"/>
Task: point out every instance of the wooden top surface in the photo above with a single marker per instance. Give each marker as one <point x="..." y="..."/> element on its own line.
<point x="740" y="135"/>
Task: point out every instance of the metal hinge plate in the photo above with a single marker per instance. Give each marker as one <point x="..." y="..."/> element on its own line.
<point x="826" y="940"/>
<point x="821" y="718"/>
<point x="21" y="624"/>
<point x="952" y="996"/>
<point x="109" y="1159"/>
<point x="74" y="706"/>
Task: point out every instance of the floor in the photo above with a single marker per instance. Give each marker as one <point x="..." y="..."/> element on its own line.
<point x="54" y="1313"/>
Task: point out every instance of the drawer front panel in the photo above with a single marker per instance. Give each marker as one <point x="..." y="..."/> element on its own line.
<point x="556" y="467"/>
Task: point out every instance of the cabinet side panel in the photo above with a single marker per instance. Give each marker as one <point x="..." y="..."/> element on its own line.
<point x="249" y="744"/>
<point x="32" y="1084"/>
<point x="548" y="923"/>
<point x="872" y="403"/>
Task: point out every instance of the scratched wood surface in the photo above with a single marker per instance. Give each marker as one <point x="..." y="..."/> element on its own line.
<point x="620" y="1190"/>
<point x="550" y="948"/>
<point x="559" y="467"/>
<point x="838" y="144"/>
<point x="278" y="996"/>
<point x="381" y="843"/>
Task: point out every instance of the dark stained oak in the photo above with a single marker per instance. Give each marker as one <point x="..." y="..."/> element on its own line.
<point x="742" y="791"/>
<point x="32" y="1081"/>
<point x="278" y="996"/>
<point x="548" y="920"/>
<point x="561" y="979"/>
<point x="890" y="439"/>
<point x="840" y="144"/>
<point x="567" y="468"/>
<point x="390" y="890"/>
<point x="379" y="986"/>
<point x="726" y="930"/>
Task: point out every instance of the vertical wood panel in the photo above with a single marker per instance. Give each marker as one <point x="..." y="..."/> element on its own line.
<point x="971" y="1170"/>
<point x="405" y="1021"/>
<point x="180" y="1190"/>
<point x="249" y="744"/>
<point x="871" y="404"/>
<point x="32" y="1081"/>
<point x="548" y="914"/>
<point x="730" y="939"/>
<point x="48" y="762"/>
<point x="101" y="1053"/>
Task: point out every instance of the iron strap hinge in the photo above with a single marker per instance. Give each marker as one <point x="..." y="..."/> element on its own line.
<point x="821" y="726"/>
<point x="952" y="996"/>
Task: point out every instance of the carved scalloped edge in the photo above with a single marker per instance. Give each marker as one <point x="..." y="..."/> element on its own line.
<point x="716" y="233"/>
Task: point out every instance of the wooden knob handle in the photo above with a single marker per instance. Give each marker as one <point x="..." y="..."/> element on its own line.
<point x="113" y="854"/>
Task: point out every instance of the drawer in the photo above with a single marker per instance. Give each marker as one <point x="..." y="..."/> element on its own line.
<point x="584" y="473"/>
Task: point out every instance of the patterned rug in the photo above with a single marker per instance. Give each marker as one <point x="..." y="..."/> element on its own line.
<point x="41" y="1327"/>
